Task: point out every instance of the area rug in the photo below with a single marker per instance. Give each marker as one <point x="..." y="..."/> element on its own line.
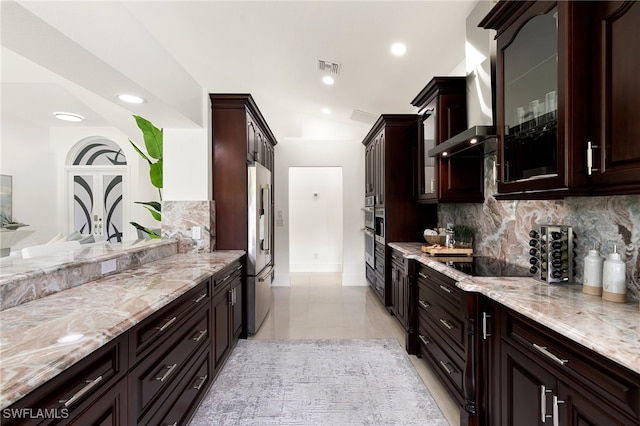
<point x="318" y="382"/>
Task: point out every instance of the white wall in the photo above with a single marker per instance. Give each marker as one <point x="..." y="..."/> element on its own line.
<point x="28" y="157"/>
<point x="36" y="159"/>
<point x="347" y="154"/>
<point x="315" y="219"/>
<point x="187" y="156"/>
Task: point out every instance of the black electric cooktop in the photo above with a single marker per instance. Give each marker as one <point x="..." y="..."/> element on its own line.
<point x="483" y="266"/>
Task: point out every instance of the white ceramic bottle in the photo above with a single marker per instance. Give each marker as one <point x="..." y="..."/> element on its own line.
<point x="592" y="280"/>
<point x="614" y="282"/>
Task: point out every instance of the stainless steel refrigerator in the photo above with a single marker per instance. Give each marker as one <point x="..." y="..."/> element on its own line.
<point x="259" y="260"/>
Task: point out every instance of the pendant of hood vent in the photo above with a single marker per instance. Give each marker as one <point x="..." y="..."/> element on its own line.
<point x="476" y="141"/>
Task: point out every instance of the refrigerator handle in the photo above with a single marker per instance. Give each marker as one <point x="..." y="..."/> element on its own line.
<point x="264" y="277"/>
<point x="266" y="211"/>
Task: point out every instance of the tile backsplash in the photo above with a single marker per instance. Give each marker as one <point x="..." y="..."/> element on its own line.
<point x="502" y="227"/>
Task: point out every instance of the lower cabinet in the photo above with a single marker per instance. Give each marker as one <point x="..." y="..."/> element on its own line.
<point x="504" y="368"/>
<point x="93" y="391"/>
<point x="546" y="379"/>
<point x="401" y="295"/>
<point x="156" y="373"/>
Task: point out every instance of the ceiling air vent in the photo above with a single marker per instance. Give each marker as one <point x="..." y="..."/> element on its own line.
<point x="363" y="117"/>
<point x="329" y="67"/>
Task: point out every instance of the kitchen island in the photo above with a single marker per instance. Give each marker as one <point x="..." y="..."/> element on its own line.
<point x="42" y="338"/>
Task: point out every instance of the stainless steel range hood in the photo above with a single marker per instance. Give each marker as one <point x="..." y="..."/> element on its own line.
<point x="476" y="141"/>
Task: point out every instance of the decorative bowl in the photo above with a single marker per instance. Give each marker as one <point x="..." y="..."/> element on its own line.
<point x="435" y="239"/>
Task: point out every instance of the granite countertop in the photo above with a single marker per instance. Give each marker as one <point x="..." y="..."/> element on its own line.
<point x="608" y="328"/>
<point x="95" y="313"/>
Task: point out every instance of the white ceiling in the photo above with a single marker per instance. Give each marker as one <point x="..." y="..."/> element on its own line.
<point x="76" y="55"/>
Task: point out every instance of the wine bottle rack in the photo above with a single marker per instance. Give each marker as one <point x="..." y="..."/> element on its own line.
<point x="551" y="248"/>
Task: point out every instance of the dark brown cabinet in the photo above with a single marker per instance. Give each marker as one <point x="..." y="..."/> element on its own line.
<point x="400" y="287"/>
<point x="227" y="311"/>
<point x="182" y="333"/>
<point x="443" y="108"/>
<point x="441" y="328"/>
<point x="546" y="379"/>
<point x="615" y="97"/>
<point x="240" y="135"/>
<point x="566" y="95"/>
<point x="93" y="388"/>
<point x="389" y="175"/>
<point x="158" y="371"/>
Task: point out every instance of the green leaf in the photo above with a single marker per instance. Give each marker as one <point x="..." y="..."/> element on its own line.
<point x="157" y="216"/>
<point x="147" y="231"/>
<point x="152" y="137"/>
<point x="139" y="151"/>
<point x="155" y="174"/>
<point x="153" y="204"/>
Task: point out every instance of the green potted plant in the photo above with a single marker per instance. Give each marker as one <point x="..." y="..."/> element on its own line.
<point x="153" y="143"/>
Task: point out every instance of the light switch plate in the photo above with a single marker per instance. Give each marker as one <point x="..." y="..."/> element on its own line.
<point x="108" y="266"/>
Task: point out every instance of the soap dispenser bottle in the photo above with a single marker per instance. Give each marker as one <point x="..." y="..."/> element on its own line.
<point x="592" y="280"/>
<point x="614" y="283"/>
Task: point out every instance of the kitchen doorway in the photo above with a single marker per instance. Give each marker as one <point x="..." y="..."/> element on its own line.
<point x="315" y="225"/>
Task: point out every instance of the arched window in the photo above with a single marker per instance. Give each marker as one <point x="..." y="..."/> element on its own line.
<point x="96" y="174"/>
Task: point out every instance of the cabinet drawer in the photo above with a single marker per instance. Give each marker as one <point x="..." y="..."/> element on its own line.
<point x="189" y="392"/>
<point x="443" y="285"/>
<point x="222" y="278"/>
<point x="109" y="409"/>
<point x="399" y="261"/>
<point x="145" y="336"/>
<point x="439" y="359"/>
<point x="445" y="317"/>
<point x="77" y="387"/>
<point x="575" y="364"/>
<point x="158" y="371"/>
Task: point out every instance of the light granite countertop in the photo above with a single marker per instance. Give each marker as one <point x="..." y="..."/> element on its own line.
<point x="95" y="313"/>
<point x="608" y="328"/>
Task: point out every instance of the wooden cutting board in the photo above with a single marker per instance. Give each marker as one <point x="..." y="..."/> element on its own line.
<point x="446" y="251"/>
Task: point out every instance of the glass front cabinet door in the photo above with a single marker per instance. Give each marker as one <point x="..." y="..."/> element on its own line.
<point x="443" y="107"/>
<point x="567" y="95"/>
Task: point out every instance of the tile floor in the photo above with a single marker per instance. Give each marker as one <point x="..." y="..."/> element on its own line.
<point x="317" y="306"/>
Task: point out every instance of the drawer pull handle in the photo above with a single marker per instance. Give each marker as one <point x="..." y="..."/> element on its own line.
<point x="444" y="365"/>
<point x="556" y="402"/>
<point x="423" y="339"/>
<point x="446" y="324"/>
<point x="445" y="288"/>
<point x="224" y="279"/>
<point x="424" y="304"/>
<point x="423" y="275"/>
<point x="199" y="298"/>
<point x="90" y="385"/>
<point x="543" y="403"/>
<point x="173" y="424"/>
<point x="544" y="350"/>
<point x="203" y="379"/>
<point x="167" y="373"/>
<point x="167" y="324"/>
<point x="200" y="335"/>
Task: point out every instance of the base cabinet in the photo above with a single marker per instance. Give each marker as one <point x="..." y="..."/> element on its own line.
<point x="546" y="379"/>
<point x="156" y="373"/>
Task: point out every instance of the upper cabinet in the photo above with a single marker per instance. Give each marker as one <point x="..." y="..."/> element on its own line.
<point x="566" y="92"/>
<point x="443" y="109"/>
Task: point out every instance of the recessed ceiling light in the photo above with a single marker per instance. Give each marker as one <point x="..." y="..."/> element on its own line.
<point x="68" y="116"/>
<point x="328" y="80"/>
<point x="131" y="99"/>
<point x="326" y="111"/>
<point x="398" y="49"/>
